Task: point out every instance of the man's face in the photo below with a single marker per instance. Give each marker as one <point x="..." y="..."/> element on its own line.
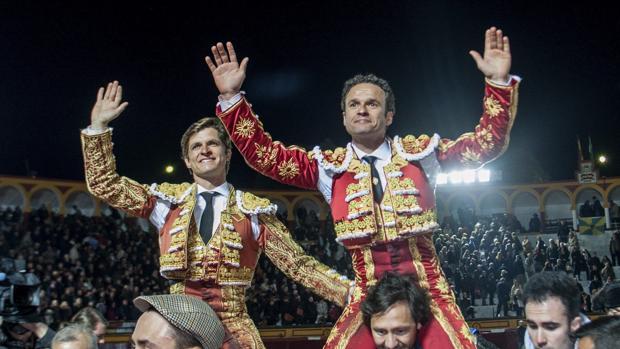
<point x="364" y="115"/>
<point x="548" y="325"/>
<point x="394" y="328"/>
<point x="207" y="155"/>
<point x="152" y="331"/>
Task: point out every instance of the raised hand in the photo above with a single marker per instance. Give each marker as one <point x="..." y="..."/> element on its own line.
<point x="227" y="73"/>
<point x="495" y="63"/>
<point x="108" y="106"/>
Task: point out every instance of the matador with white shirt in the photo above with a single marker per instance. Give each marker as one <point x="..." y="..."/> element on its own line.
<point x="380" y="189"/>
<point x="210" y="234"/>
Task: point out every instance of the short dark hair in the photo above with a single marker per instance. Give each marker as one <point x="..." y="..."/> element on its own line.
<point x="390" y="101"/>
<point x="208" y="122"/>
<point x="558" y="284"/>
<point x="604" y="331"/>
<point x="393" y="288"/>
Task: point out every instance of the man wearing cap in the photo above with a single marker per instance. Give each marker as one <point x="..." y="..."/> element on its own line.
<point x="210" y="234"/>
<point x="175" y="321"/>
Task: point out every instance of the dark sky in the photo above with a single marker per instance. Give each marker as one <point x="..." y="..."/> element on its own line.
<point x="55" y="56"/>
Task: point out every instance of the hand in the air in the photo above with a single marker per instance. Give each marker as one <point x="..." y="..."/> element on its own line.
<point x="227" y="73"/>
<point x="108" y="106"/>
<point x="495" y="63"/>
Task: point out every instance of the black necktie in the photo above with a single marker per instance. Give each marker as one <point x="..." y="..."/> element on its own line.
<point x="206" y="221"/>
<point x="377" y="189"/>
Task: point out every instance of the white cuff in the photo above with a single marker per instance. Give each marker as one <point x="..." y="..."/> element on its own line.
<point x="90" y="131"/>
<point x="507" y="83"/>
<point x="225" y="104"/>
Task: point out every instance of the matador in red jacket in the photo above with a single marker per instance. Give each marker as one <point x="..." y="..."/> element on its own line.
<point x="380" y="189"/>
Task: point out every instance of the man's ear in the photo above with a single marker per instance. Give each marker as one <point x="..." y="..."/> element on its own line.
<point x="389" y="117"/>
<point x="575" y="324"/>
<point x="343" y="119"/>
<point x="187" y="164"/>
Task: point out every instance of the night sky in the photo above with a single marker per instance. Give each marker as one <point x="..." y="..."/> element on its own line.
<point x="55" y="56"/>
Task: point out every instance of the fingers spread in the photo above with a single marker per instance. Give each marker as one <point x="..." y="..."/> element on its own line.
<point x="244" y="64"/>
<point x="119" y="94"/>
<point x="222" y="51"/>
<point x="210" y="64"/>
<point x="506" y="44"/>
<point x="231" y="52"/>
<point x="216" y="55"/>
<point x="498" y="38"/>
<point x="108" y="90"/>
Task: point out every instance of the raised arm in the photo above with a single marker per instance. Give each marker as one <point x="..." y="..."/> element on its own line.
<point x="491" y="136"/>
<point x="291" y="259"/>
<point x="289" y="165"/>
<point x="99" y="163"/>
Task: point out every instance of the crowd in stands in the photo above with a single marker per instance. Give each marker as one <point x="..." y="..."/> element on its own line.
<point x="106" y="261"/>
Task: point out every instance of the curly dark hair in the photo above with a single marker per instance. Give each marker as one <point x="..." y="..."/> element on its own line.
<point x="558" y="284"/>
<point x="390" y="101"/>
<point x="393" y="288"/>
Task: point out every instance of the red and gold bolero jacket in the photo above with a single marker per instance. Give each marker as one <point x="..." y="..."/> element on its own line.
<point x="408" y="204"/>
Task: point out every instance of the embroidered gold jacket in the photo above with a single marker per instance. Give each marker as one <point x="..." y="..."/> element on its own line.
<point x="230" y="257"/>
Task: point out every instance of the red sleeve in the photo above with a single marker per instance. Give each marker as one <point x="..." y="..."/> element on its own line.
<point x="289" y="165"/>
<point x="491" y="136"/>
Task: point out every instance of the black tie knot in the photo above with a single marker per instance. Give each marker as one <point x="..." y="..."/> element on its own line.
<point x="370" y="159"/>
<point x="207" y="195"/>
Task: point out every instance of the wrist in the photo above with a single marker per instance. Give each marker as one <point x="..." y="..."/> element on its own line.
<point x="229" y="95"/>
<point x="501" y="79"/>
<point x="98" y="126"/>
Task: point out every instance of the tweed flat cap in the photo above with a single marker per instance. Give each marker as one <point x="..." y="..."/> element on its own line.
<point x="188" y="314"/>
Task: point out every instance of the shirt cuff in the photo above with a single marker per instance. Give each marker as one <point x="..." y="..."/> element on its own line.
<point x="506" y="83"/>
<point x="225" y="104"/>
<point x="90" y="131"/>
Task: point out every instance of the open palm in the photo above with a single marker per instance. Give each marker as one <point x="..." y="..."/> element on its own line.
<point x="108" y="105"/>
<point x="496" y="60"/>
<point x="228" y="74"/>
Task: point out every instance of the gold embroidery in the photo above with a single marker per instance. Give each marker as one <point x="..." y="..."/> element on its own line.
<point x="484" y="136"/>
<point x="251" y="202"/>
<point x="417" y="223"/>
<point x="177" y="288"/>
<point x="288" y="169"/>
<point x="235" y="276"/>
<point x="470" y="157"/>
<point x="291" y="259"/>
<point x="244" y="128"/>
<point x="492" y="106"/>
<point x="335" y="157"/>
<point x="413" y="145"/>
<point x="361" y="225"/>
<point x="354" y="325"/>
<point x="266" y="156"/>
<point x="445" y="324"/>
<point x="369" y="264"/>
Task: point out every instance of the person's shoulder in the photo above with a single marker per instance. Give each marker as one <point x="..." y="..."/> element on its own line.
<point x="251" y="204"/>
<point x="172" y="192"/>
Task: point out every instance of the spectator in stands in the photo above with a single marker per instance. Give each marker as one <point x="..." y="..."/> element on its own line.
<point x="74" y="336"/>
<point x="614" y="247"/>
<point x="563" y="231"/>
<point x="607" y="272"/>
<point x="176" y="321"/>
<point x="602" y="333"/>
<point x="503" y="296"/>
<point x="516" y="296"/>
<point x="597" y="208"/>
<point x="92" y="319"/>
<point x="551" y="310"/>
<point x="395" y="310"/>
<point x="586" y="210"/>
<point x="534" y="224"/>
<point x="608" y="299"/>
